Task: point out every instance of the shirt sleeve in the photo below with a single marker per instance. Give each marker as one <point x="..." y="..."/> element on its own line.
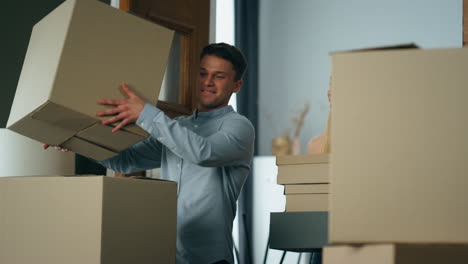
<point x="144" y="155"/>
<point x="231" y="145"/>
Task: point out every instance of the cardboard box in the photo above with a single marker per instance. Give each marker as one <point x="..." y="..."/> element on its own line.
<point x="297" y="169"/>
<point x="307" y="202"/>
<point x="298" y="231"/>
<point x="396" y="254"/>
<point x="92" y="220"/>
<point x="79" y="53"/>
<point x="399" y="153"/>
<point x="306" y="188"/>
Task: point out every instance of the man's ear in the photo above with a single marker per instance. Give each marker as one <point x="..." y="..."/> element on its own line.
<point x="238" y="85"/>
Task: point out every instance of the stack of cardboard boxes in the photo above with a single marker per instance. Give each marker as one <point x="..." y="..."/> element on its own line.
<point x="81" y="52"/>
<point x="306" y="182"/>
<point x="399" y="162"/>
<point x="303" y="225"/>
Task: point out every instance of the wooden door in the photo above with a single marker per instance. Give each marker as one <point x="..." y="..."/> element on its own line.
<point x="189" y="18"/>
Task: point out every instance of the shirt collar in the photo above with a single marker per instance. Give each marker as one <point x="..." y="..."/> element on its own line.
<point x="212" y="113"/>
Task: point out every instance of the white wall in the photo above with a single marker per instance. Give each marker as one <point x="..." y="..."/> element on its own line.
<point x="268" y="197"/>
<point x="22" y="156"/>
<point x="297" y="36"/>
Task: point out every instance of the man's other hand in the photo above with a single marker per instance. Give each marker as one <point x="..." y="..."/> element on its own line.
<point x="46" y="146"/>
<point x="126" y="111"/>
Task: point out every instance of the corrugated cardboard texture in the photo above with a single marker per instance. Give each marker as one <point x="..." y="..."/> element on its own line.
<point x="41" y="131"/>
<point x="307" y="202"/>
<point x="62" y="117"/>
<point x="139" y="221"/>
<point x="81" y="52"/>
<point x="298" y="231"/>
<point x="396" y="254"/>
<point x="302" y="159"/>
<point x="303" y="173"/>
<point x="399" y="156"/>
<point x="92" y="219"/>
<point x="117" y="141"/>
<point x="306" y="188"/>
<point x="88" y="149"/>
<point x="50" y="220"/>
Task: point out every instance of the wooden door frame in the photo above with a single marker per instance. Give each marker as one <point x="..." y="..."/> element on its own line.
<point x="186" y="54"/>
<point x="194" y="36"/>
<point x="193" y="39"/>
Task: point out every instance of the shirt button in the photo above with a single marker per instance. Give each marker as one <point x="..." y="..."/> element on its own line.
<point x="195" y="126"/>
<point x="160" y="138"/>
<point x="142" y="124"/>
<point x="178" y="165"/>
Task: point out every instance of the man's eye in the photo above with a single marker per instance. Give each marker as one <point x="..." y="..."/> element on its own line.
<point x="220" y="76"/>
<point x="203" y="74"/>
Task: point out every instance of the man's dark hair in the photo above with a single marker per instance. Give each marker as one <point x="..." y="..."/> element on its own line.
<point x="229" y="53"/>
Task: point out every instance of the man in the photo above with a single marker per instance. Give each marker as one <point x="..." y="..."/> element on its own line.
<point x="208" y="153"/>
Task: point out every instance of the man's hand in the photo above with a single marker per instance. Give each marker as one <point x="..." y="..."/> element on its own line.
<point x="46" y="146"/>
<point x="126" y="111"/>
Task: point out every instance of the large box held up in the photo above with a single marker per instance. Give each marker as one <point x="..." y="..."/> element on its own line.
<point x="399" y="158"/>
<point x="88" y="219"/>
<point x="79" y="53"/>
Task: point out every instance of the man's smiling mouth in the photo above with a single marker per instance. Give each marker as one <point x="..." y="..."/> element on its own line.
<point x="208" y="91"/>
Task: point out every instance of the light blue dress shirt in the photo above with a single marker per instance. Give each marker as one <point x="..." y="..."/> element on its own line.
<point x="209" y="155"/>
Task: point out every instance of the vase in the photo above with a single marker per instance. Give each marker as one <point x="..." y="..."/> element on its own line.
<point x="281" y="146"/>
<point x="295" y="146"/>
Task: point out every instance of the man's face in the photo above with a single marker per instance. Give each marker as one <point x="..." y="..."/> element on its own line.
<point x="215" y="83"/>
